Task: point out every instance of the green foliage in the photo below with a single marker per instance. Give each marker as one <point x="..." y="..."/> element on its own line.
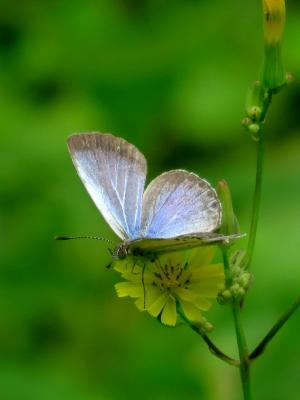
<point x="171" y="77"/>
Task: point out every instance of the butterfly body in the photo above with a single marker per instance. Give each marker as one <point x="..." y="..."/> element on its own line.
<point x="152" y="247"/>
<point x="177" y="211"/>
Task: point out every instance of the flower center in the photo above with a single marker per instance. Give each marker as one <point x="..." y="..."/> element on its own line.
<point x="170" y="277"/>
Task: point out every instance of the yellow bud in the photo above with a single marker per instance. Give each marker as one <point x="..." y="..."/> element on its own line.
<point x="274" y="20"/>
<point x="273" y="73"/>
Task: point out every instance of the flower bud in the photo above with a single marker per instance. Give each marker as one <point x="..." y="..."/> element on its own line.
<point x="230" y="223"/>
<point x="274" y="20"/>
<point x="255" y="101"/>
<point x="246" y="122"/>
<point x="245" y="279"/>
<point x="254" y="128"/>
<point x="207" y="327"/>
<point x="203" y="325"/>
<point x="273" y="75"/>
<point x="227" y="295"/>
<point x="241" y="292"/>
<point x="235" y="288"/>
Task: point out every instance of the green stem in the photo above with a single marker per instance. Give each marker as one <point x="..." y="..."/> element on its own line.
<point x="258" y="180"/>
<point x="244" y="365"/>
<point x="278" y="325"/>
<point x="243" y="351"/>
<point x="211" y="346"/>
<point x="256" y="197"/>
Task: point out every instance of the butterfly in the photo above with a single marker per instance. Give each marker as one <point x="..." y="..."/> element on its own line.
<point x="178" y="210"/>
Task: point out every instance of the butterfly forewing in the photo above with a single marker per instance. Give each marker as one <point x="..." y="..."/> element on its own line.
<point x="179" y="203"/>
<point x="113" y="171"/>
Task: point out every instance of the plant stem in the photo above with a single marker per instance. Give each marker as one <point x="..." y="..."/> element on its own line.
<point x="211" y="346"/>
<point x="243" y="351"/>
<point x="244" y="365"/>
<point x="258" y="179"/>
<point x="256" y="197"/>
<point x="278" y="325"/>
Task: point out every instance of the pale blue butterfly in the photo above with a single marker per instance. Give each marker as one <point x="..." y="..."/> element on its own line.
<point x="177" y="211"/>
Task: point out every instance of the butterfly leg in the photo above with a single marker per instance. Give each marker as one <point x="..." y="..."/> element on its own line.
<point x="111" y="253"/>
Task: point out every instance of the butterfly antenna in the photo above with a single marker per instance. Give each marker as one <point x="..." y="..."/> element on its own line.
<point x="102" y="239"/>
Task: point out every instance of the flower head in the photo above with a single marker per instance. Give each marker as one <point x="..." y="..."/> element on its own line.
<point x="161" y="285"/>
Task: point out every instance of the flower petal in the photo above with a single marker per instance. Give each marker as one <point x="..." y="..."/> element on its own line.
<point x="208" y="289"/>
<point x="201" y="256"/>
<point x="202" y="303"/>
<point x="152" y="294"/>
<point x="120" y="265"/>
<point x="169" y="313"/>
<point x="193" y="297"/>
<point x="158" y="305"/>
<point x="207" y="272"/>
<point x="132" y="271"/>
<point x="138" y="275"/>
<point x="208" y="280"/>
<point x="130" y="289"/>
<point x="191" y="312"/>
<point x="186" y="294"/>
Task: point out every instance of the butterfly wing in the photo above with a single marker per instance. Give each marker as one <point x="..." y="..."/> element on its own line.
<point x="113" y="172"/>
<point x="179" y="243"/>
<point x="179" y="203"/>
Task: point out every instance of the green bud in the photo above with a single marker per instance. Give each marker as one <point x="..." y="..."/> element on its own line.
<point x="255" y="112"/>
<point x="235" y="289"/>
<point x="235" y="271"/>
<point x="207" y="326"/>
<point x="289" y="78"/>
<point x="204" y="326"/>
<point x="241" y="292"/>
<point x="254" y="128"/>
<point x="246" y="122"/>
<point x="230" y="223"/>
<point x="227" y="294"/>
<point x="244" y="280"/>
<point x="224" y="297"/>
<point x="255" y="101"/>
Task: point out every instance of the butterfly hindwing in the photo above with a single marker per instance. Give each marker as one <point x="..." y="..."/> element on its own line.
<point x="179" y="203"/>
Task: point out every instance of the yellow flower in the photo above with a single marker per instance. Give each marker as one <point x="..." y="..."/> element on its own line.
<point x="186" y="279"/>
<point x="274" y="20"/>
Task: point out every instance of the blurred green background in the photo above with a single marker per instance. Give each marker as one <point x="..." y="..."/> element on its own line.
<point x="171" y="77"/>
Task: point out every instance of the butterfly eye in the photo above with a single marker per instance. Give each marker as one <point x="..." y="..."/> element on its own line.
<point x="121" y="252"/>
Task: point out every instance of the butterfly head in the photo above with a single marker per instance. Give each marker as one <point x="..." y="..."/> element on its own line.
<point x="120" y="252"/>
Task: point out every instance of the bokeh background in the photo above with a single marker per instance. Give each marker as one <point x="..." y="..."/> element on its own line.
<point x="171" y="77"/>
